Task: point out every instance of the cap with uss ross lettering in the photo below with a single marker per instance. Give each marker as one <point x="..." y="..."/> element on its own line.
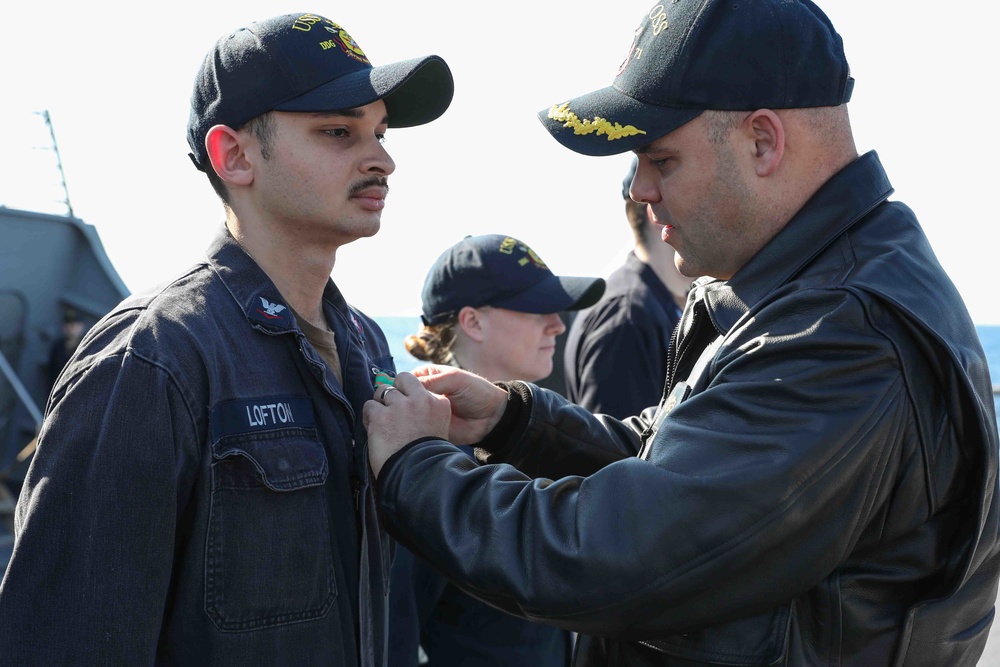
<point x="688" y="56"/>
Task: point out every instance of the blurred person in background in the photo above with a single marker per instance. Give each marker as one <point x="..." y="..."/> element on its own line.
<point x="616" y="351"/>
<point x="65" y="344"/>
<point x="491" y="306"/>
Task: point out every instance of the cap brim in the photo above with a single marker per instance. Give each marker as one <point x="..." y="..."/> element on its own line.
<point x="609" y="122"/>
<point x="415" y="91"/>
<point x="556" y="294"/>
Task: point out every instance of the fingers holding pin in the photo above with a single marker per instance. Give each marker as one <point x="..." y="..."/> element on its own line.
<point x="383" y="384"/>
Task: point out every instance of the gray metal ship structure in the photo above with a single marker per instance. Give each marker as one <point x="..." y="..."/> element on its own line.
<point x="53" y="268"/>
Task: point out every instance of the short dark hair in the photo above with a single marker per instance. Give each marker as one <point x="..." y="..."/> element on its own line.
<point x="719" y="124"/>
<point x="262" y="127"/>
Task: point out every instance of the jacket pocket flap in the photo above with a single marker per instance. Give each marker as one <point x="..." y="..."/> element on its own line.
<point x="749" y="642"/>
<point x="283" y="460"/>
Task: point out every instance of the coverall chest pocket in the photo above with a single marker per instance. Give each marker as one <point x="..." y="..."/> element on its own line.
<point x="269" y="560"/>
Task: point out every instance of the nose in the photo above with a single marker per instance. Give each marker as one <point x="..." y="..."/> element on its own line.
<point x="379" y="162"/>
<point x="554" y="324"/>
<point x="643" y="188"/>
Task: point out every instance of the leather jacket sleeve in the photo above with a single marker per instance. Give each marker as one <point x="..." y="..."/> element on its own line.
<point x="552" y="447"/>
<point x="749" y="493"/>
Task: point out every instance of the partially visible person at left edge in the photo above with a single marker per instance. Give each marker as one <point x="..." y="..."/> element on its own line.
<point x="65" y="344"/>
<point x="201" y="492"/>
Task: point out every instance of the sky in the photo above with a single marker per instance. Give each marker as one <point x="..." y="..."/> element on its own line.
<point x="116" y="80"/>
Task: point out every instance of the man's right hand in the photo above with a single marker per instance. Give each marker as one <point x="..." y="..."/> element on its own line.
<point x="476" y="403"/>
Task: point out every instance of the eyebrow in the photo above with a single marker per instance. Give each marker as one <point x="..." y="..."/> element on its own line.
<point x="349" y="113"/>
<point x="653" y="146"/>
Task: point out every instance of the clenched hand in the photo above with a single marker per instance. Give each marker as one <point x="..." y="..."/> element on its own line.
<point x="435" y="401"/>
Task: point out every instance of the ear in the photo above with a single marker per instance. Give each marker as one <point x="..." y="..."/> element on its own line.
<point x="226" y="152"/>
<point x="471" y="323"/>
<point x="769" y="140"/>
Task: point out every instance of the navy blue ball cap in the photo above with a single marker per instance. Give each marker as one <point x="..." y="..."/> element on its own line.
<point x="688" y="56"/>
<point x="500" y="271"/>
<point x="307" y="63"/>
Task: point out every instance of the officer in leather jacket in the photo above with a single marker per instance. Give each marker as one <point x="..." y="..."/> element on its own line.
<point x="818" y="484"/>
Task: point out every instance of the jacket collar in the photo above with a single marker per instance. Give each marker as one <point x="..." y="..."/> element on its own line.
<point x="847" y="197"/>
<point x="261" y="302"/>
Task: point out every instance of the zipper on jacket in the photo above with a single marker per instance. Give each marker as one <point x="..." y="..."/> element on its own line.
<point x="672" y="357"/>
<point x="648" y="645"/>
<point x="684" y="344"/>
<point x="699" y="320"/>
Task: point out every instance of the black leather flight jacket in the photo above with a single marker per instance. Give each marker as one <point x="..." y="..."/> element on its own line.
<point x="818" y="488"/>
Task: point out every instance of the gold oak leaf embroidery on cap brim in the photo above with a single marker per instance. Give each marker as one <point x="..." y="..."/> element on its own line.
<point x="599" y="125"/>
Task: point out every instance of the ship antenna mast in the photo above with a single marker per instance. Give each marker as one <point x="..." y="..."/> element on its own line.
<point x="55" y="148"/>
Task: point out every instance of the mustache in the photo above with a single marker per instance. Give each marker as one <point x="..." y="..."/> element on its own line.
<point x="374" y="181"/>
